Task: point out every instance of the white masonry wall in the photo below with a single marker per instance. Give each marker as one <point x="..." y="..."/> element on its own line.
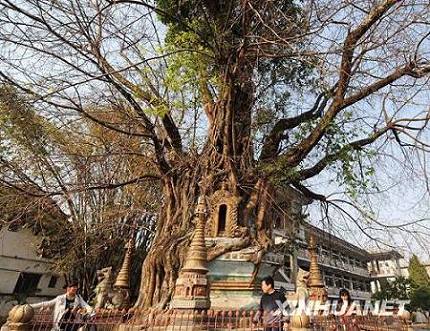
<point x="18" y="254"/>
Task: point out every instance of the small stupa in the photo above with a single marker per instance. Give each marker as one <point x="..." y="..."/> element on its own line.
<point x="123" y="278"/>
<point x="192" y="291"/>
<point x="317" y="290"/>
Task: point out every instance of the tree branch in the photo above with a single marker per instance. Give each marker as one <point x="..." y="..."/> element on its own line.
<point x="153" y="100"/>
<point x="296" y="154"/>
<point x="351" y="42"/>
<point x="104" y="186"/>
<point x="330" y="158"/>
<point x="308" y="193"/>
<point x="276" y="135"/>
<point x="412" y="70"/>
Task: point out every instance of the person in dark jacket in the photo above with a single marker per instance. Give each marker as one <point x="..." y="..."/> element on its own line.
<point x="271" y="306"/>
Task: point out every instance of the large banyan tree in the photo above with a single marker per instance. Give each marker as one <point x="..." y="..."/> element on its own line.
<point x="252" y="94"/>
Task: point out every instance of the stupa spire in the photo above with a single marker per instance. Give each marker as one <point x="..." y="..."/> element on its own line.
<point x="123" y="277"/>
<point x="192" y="291"/>
<point x="317" y="289"/>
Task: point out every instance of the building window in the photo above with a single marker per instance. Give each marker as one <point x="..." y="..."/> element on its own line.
<point x="53" y="282"/>
<point x="329" y="281"/>
<point x="356" y="285"/>
<point x="328" y="278"/>
<point x="27" y="283"/>
<point x="335" y="259"/>
<point x="347" y="283"/>
<point x="222" y="218"/>
<point x="367" y="287"/>
<point x="338" y="282"/>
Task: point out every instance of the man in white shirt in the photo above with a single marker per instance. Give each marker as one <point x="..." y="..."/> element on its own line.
<point x="64" y="305"/>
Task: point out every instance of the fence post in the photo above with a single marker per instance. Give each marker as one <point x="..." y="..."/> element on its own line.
<point x="20" y="318"/>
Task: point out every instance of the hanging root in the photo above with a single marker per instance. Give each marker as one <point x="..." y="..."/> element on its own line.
<point x="257" y="258"/>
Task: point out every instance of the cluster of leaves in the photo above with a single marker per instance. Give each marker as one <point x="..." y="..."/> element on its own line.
<point x="188" y="40"/>
<point x="420" y="298"/>
<point x="20" y="125"/>
<point x="178" y="15"/>
<point x="201" y="36"/>
<point x="417" y="272"/>
<point x="188" y="66"/>
<point x="355" y="172"/>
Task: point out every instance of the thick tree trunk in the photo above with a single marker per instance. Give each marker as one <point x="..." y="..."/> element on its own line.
<point x="174" y="230"/>
<point x="205" y="173"/>
<point x="227" y="157"/>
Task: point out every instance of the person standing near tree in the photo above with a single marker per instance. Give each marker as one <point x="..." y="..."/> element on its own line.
<point x="65" y="307"/>
<point x="271" y="306"/>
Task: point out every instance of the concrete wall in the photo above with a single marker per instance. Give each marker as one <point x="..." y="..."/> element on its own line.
<point x="18" y="255"/>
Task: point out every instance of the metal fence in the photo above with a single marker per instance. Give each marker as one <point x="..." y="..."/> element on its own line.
<point x="152" y="320"/>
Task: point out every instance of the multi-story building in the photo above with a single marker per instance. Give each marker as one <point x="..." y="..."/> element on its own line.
<point x="384" y="267"/>
<point x="342" y="264"/>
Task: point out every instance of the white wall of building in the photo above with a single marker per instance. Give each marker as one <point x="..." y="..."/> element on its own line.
<point x="384" y="270"/>
<point x="18" y="260"/>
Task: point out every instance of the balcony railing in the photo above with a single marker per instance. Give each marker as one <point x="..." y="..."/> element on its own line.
<point x="385" y="273"/>
<point x="355" y="294"/>
<point x="327" y="261"/>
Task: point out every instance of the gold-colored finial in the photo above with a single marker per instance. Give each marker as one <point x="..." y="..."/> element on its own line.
<point x="197" y="253"/>
<point x="123" y="278"/>
<point x="317" y="290"/>
<point x="192" y="291"/>
<point x="201" y="206"/>
<point x="315" y="278"/>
